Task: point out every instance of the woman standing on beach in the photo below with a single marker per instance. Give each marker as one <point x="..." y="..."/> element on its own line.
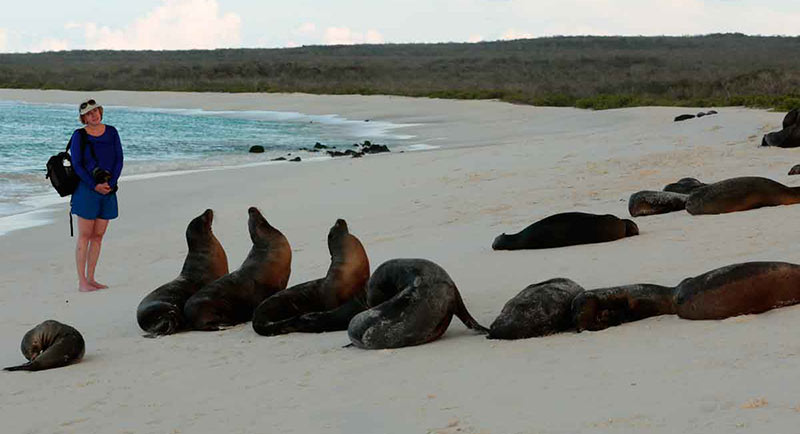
<point x="95" y="199"/>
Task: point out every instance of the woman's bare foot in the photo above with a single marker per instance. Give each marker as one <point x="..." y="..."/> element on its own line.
<point x="97" y="285"/>
<point x="86" y="287"/>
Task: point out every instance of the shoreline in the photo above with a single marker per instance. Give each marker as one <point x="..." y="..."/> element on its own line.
<point x="500" y="167"/>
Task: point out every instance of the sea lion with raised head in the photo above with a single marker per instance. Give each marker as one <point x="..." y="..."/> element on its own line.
<point x="412" y="302"/>
<point x="541" y="309"/>
<point x="643" y="203"/>
<point x="599" y="309"/>
<point x="738" y="289"/>
<point x="740" y="194"/>
<point x="50" y="344"/>
<point x="684" y="185"/>
<point x="316" y="306"/>
<point x="789" y="136"/>
<point x="232" y="298"/>
<point x="567" y="229"/>
<point x="161" y="311"/>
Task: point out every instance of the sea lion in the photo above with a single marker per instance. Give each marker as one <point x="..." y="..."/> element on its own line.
<point x="738" y="289"/>
<point x="599" y="309"/>
<point x="232" y="298"/>
<point x="346" y="279"/>
<point x="795" y="170"/>
<point x="567" y="229"/>
<point x="740" y="194"/>
<point x="683" y="117"/>
<point x="412" y="302"/>
<point x="161" y="311"/>
<point x="684" y="185"/>
<point x="541" y="309"/>
<point x="789" y="136"/>
<point x="648" y="202"/>
<point x="50" y="344"/>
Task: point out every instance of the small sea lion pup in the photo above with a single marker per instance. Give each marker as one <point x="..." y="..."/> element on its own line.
<point x="412" y="302"/>
<point x="567" y="229"/>
<point x="541" y="309"/>
<point x="740" y="194"/>
<point x="648" y="202"/>
<point x="739" y="289"/>
<point x="325" y="304"/>
<point x="684" y="185"/>
<point x="50" y="344"/>
<point x="789" y="136"/>
<point x="599" y="309"/>
<point x="232" y="298"/>
<point x="161" y="311"/>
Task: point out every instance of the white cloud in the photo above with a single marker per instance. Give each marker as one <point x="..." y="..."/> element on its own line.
<point x="176" y="24"/>
<point x="3" y="40"/>
<point x="475" y="38"/>
<point x="345" y="36"/>
<point x="50" y="44"/>
<point x="514" y="34"/>
<point x="306" y="29"/>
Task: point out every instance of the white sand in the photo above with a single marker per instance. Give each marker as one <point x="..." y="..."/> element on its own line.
<point x="500" y="168"/>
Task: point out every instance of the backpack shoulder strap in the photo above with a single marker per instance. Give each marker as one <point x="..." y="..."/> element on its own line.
<point x="85" y="141"/>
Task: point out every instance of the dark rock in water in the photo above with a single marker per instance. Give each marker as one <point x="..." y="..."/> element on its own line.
<point x="795" y="170"/>
<point x="789" y="136"/>
<point x="336" y="153"/>
<point x="358" y="155"/>
<point x="683" y="117"/>
<point x="257" y="149"/>
<point x="295" y="159"/>
<point x="374" y="149"/>
<point x="279" y="159"/>
<point x="644" y="203"/>
<point x="700" y="114"/>
<point x="319" y="145"/>
<point x="539" y="310"/>
<point x="367" y="143"/>
<point x="684" y="185"/>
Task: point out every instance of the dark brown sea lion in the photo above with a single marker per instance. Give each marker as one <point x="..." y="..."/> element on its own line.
<point x="683" y="117"/>
<point x="599" y="309"/>
<point x="232" y="298"/>
<point x="161" y="311"/>
<point x="345" y="282"/>
<point x="412" y="302"/>
<point x="647" y="202"/>
<point x="567" y="229"/>
<point x="740" y="194"/>
<point x="538" y="310"/>
<point x="50" y="344"/>
<point x="684" y="185"/>
<point x="739" y="289"/>
<point x="789" y="136"/>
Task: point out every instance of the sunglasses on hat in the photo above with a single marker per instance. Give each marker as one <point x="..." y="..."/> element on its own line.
<point x="87" y="104"/>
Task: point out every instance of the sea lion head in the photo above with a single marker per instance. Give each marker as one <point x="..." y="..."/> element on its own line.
<point x="337" y="233"/>
<point x="261" y="232"/>
<point x="499" y="242"/>
<point x="33" y="343"/>
<point x="630" y="228"/>
<point x="199" y="229"/>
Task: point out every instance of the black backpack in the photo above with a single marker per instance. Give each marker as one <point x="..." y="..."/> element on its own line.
<point x="60" y="171"/>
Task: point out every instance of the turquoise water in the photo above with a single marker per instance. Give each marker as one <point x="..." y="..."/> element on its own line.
<point x="164" y="140"/>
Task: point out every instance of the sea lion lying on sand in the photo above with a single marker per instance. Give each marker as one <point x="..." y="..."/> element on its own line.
<point x="740" y="194"/>
<point x="50" y="344"/>
<point x="412" y="302"/>
<point x="789" y="136"/>
<point x="567" y="229"/>
<point x="643" y="203"/>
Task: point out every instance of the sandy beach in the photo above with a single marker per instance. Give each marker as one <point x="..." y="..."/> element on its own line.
<point x="498" y="167"/>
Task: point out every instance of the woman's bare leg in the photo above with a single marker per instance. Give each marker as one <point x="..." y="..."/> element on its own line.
<point x="95" y="244"/>
<point x="85" y="231"/>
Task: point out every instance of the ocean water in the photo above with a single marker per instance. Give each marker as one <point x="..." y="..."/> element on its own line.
<point x="158" y="141"/>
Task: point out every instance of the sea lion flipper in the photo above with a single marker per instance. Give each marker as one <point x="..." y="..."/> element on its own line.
<point x="314" y="322"/>
<point x="463" y="314"/>
<point x="23" y="367"/>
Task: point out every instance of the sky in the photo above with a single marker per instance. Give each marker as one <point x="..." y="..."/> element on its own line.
<point x="54" y="25"/>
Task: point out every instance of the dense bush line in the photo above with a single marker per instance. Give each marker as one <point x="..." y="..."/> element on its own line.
<point x="589" y="72"/>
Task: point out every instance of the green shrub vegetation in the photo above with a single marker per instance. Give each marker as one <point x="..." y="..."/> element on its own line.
<point x="589" y="72"/>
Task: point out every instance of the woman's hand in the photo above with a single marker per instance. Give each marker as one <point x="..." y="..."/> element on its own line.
<point x="103" y="188"/>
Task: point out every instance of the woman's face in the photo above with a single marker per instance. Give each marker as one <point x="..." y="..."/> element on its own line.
<point x="93" y="117"/>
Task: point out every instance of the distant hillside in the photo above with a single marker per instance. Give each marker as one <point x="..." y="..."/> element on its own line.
<point x="592" y="72"/>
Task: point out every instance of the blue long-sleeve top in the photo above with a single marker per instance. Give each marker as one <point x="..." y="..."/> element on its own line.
<point x="107" y="148"/>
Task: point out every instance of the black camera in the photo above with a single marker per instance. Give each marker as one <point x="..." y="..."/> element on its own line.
<point x="101" y="175"/>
